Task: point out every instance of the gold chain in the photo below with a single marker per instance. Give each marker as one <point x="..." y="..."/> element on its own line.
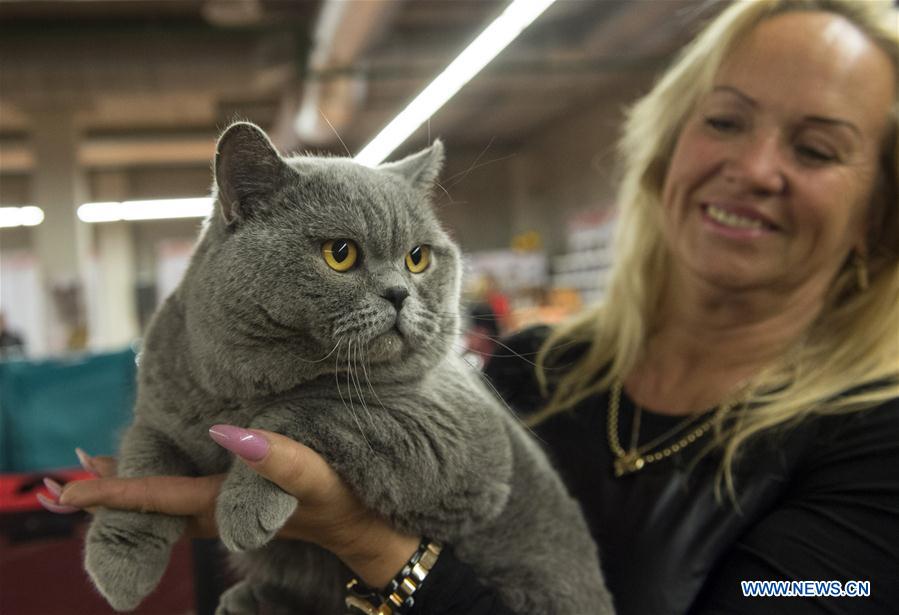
<point x="627" y="462"/>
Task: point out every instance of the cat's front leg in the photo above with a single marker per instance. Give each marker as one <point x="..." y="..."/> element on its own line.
<point x="126" y="552"/>
<point x="422" y="466"/>
<point x="250" y="509"/>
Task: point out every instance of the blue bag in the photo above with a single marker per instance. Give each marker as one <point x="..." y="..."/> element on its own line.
<point x="49" y="407"/>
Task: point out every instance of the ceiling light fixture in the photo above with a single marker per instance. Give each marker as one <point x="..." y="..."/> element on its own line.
<point x="28" y="215"/>
<point x="504" y="29"/>
<point x="162" y="209"/>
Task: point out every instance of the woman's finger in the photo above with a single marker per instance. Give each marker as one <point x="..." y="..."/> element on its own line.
<point x="171" y="495"/>
<point x="329" y="514"/>
<point x="101" y="466"/>
<point x="294" y="467"/>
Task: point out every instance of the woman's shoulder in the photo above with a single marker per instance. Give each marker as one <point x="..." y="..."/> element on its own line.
<point x="870" y="434"/>
<point x="827" y="434"/>
<point x="839" y="509"/>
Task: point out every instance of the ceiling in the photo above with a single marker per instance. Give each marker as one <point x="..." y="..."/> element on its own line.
<point x="152" y="81"/>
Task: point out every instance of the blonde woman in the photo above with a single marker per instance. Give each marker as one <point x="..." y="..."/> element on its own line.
<point x="731" y="412"/>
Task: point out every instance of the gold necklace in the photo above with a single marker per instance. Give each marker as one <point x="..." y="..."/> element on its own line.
<point x="636" y="458"/>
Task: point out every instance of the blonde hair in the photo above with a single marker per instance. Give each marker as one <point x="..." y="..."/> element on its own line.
<point x="849" y="358"/>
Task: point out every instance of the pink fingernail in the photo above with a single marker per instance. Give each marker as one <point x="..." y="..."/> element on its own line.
<point x="54" y="507"/>
<point x="53" y="487"/>
<point x="85" y="460"/>
<point x="239" y="441"/>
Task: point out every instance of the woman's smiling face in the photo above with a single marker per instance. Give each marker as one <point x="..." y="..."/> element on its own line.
<point x="771" y="177"/>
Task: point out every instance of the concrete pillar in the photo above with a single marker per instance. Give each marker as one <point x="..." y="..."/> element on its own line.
<point x="61" y="242"/>
<point x="115" y="322"/>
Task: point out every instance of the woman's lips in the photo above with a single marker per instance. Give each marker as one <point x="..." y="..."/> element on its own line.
<point x="739" y="222"/>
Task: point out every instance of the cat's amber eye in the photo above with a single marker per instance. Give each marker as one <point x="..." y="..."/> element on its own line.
<point x="340" y="254"/>
<point x="418" y="258"/>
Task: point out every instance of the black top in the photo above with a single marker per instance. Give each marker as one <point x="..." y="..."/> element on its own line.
<point x="817" y="502"/>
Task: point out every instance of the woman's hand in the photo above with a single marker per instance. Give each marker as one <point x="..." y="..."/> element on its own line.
<point x="329" y="514"/>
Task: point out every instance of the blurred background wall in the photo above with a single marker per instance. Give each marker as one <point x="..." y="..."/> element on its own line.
<point x="116" y="100"/>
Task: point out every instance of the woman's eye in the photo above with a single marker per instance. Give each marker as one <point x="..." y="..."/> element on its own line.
<point x="418" y="258"/>
<point x="815" y="154"/>
<point x="722" y="124"/>
<point x="340" y="254"/>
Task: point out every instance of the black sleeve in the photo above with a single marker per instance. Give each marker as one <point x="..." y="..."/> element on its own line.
<point x="840" y="522"/>
<point x="452" y="588"/>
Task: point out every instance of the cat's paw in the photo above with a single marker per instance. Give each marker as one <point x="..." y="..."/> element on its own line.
<point x="124" y="565"/>
<point x="247" y="522"/>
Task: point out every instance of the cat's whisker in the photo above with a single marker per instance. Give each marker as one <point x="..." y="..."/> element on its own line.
<point x="462" y="316"/>
<point x="358" y="385"/>
<point x="337" y="382"/>
<point x="439" y="185"/>
<point x="322" y="359"/>
<point x="497" y="395"/>
<point x="445" y="191"/>
<point x="496" y="341"/>
<point x="513" y="353"/>
<point x="483" y="164"/>
<point x="465" y="173"/>
<point x="349" y="373"/>
<point x="368" y="380"/>
<point x="349" y="390"/>
<point x="336" y="134"/>
<point x="486" y="318"/>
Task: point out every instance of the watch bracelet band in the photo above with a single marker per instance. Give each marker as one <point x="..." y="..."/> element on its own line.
<point x="397" y="597"/>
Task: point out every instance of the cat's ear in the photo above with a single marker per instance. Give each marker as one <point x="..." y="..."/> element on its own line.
<point x="420" y="169"/>
<point x="248" y="171"/>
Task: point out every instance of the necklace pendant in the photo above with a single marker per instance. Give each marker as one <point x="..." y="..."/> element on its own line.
<point x="628" y="464"/>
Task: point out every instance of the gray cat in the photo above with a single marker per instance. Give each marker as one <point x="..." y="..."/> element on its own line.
<point x="322" y="303"/>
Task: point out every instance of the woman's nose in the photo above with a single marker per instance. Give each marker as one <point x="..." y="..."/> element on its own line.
<point x="757" y="163"/>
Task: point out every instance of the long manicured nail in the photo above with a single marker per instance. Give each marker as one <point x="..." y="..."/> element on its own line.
<point x="239" y="441"/>
<point x="54" y="507"/>
<point x="53" y="487"/>
<point x="85" y="460"/>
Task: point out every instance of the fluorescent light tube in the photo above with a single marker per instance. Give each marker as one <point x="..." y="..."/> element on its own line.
<point x="161" y="209"/>
<point x="100" y="212"/>
<point x="476" y="56"/>
<point x="29" y="215"/>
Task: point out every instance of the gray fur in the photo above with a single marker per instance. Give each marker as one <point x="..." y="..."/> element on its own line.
<point x="262" y="333"/>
